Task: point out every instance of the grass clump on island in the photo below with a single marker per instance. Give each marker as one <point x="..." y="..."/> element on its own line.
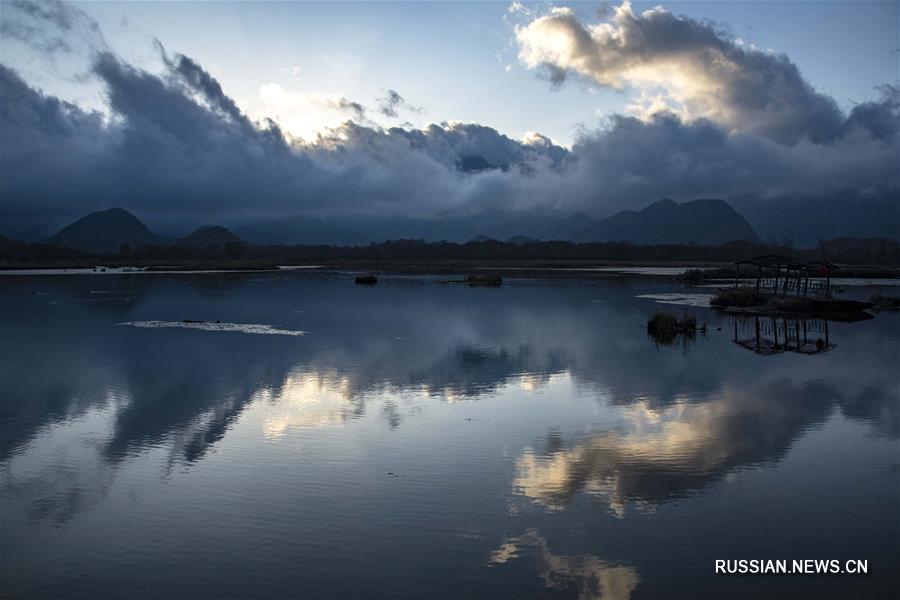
<point x="665" y="327"/>
<point x="748" y="297"/>
<point x="788" y="304"/>
<point x="743" y="296"/>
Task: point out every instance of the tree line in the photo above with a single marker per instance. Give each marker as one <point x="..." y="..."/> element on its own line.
<point x="844" y="251"/>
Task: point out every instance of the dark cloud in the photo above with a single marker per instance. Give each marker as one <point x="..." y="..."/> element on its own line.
<point x="45" y="142"/>
<point x="879" y="119"/>
<point x="358" y="110"/>
<point x="637" y="159"/>
<point x="50" y="26"/>
<point x="196" y="79"/>
<point x="392" y="102"/>
<point x="176" y="142"/>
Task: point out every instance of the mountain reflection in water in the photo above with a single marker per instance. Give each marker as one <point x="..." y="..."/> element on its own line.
<point x="417" y="424"/>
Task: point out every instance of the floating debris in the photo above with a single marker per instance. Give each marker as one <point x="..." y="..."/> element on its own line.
<point x="366" y="280"/>
<point x="699" y="300"/>
<point x="216" y="326"/>
<point x="484" y="280"/>
<point x="477" y="281"/>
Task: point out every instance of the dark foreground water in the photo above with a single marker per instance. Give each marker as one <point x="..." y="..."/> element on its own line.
<point x="427" y="440"/>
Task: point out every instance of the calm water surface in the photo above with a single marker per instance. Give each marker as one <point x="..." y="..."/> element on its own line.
<point x="428" y="440"/>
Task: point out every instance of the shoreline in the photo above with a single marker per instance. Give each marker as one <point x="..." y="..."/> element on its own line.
<point x="672" y="271"/>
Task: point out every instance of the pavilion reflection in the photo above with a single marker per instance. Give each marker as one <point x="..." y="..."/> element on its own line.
<point x="774" y="335"/>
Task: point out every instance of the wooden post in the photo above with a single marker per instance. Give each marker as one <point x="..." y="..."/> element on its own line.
<point x="756" y="320"/>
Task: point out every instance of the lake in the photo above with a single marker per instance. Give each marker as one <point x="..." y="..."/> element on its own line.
<point x="312" y="438"/>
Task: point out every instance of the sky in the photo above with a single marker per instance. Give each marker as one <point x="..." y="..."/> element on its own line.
<point x="455" y="60"/>
<point x="254" y="108"/>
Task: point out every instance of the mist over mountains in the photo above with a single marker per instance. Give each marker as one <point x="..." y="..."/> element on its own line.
<point x="175" y="148"/>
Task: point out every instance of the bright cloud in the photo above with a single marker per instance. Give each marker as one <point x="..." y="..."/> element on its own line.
<point x="304" y="115"/>
<point x="676" y="63"/>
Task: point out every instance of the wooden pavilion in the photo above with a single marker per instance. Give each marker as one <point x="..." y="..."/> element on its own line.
<point x="779" y="275"/>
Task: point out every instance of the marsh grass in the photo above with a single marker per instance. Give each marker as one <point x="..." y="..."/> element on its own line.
<point x="665" y="327"/>
<point x="788" y="304"/>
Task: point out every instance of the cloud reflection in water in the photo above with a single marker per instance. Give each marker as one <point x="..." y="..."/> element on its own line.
<point x="591" y="577"/>
<point x="674" y="451"/>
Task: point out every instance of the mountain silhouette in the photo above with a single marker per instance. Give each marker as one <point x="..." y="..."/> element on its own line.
<point x="210" y="235"/>
<point x="106" y="231"/>
<point x="705" y="222"/>
<point x="807" y="220"/>
<point x="570" y="227"/>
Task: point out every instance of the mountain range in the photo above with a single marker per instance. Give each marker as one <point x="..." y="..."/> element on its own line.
<point x="702" y="222"/>
<point x="706" y="222"/>
<point x="802" y="221"/>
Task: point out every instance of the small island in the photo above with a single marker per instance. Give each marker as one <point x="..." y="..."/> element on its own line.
<point x="785" y="286"/>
